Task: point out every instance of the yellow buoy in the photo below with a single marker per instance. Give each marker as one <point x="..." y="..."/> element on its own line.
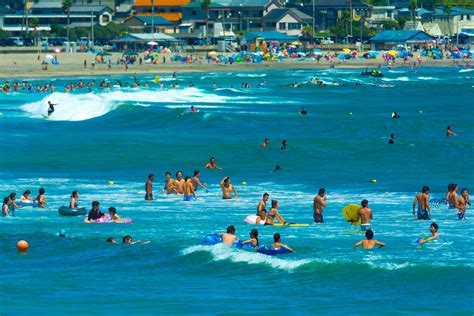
<point x="110" y="182"/>
<point x="157" y="79"/>
<point x="373" y="181"/>
<point x="243" y="182"/>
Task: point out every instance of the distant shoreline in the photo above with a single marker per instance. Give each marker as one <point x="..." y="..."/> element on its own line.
<point x="72" y="65"/>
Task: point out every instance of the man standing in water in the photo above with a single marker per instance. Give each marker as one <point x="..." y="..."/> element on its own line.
<point x="179" y="182"/>
<point x="318" y="205"/>
<point x="196" y="182"/>
<point x="51" y="108"/>
<point x="365" y="215"/>
<point x="227" y="189"/>
<point x="149" y="187"/>
<point x="422" y="199"/>
<point x="452" y="196"/>
<point x="170" y="186"/>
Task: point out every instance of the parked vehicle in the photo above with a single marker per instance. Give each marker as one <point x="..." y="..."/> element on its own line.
<point x="16" y="41"/>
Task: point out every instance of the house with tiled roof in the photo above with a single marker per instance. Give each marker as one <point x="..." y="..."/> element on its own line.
<point x="167" y="9"/>
<point x="287" y="21"/>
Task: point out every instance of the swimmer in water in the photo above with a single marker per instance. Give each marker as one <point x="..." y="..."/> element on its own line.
<point x="129" y="240"/>
<point x="262" y="205"/>
<point x="41" y="199"/>
<point x="277" y="244"/>
<point x="265" y="143"/>
<point x="111" y="240"/>
<point x="369" y="243"/>
<point x="5" y="209"/>
<point x="253" y="239"/>
<point x="391" y="141"/>
<point x="170" y="186"/>
<point x="192" y="109"/>
<point x="303" y="111"/>
<point x="463" y="202"/>
<point x="365" y="215"/>
<point x="25" y="198"/>
<point x="74" y="197"/>
<point x="149" y="187"/>
<point x="395" y="115"/>
<point x="179" y="182"/>
<point x="449" y="132"/>
<point x="227" y="189"/>
<point x="318" y="204"/>
<point x="229" y="238"/>
<point x="188" y="190"/>
<point x="95" y="212"/>
<point x="197" y="183"/>
<point x="434" y="234"/>
<point x="422" y="199"/>
<point x="284" y="143"/>
<point x="113" y="215"/>
<point x="212" y="164"/>
<point x="273" y="213"/>
<point x="277" y="168"/>
<point x="452" y="196"/>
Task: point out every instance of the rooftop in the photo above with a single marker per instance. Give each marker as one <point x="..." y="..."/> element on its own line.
<point x="277" y="14"/>
<point x="270" y="36"/>
<point x="161" y="3"/>
<point x="157" y="20"/>
<point x="401" y="36"/>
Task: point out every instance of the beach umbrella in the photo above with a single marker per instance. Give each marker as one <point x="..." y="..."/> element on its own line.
<point x="152" y="43"/>
<point x="212" y="54"/>
<point x="346" y="50"/>
<point x="393" y="52"/>
<point x="57" y="50"/>
<point x="49" y="57"/>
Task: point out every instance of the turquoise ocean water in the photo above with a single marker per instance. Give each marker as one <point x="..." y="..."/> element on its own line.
<point x="121" y="135"/>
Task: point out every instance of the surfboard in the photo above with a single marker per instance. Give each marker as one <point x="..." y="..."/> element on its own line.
<point x="350" y="213"/>
<point x="291" y="225"/>
<point x="45" y="116"/>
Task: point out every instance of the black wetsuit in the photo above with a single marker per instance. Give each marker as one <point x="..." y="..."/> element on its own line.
<point x="51" y="109"/>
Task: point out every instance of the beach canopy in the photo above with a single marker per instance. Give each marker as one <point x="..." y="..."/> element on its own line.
<point x="104" y="54"/>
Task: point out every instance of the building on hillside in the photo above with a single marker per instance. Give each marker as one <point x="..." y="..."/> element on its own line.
<point x="51" y="12"/>
<point x="380" y="15"/>
<point x="144" y="23"/>
<point x="229" y="15"/>
<point x="285" y="20"/>
<point x="327" y="13"/>
<point x="386" y="40"/>
<point x="455" y="21"/>
<point x="170" y="10"/>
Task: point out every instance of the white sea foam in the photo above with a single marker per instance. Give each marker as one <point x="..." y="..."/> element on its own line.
<point x="79" y="107"/>
<point x="251" y="75"/>
<point x="396" y="79"/>
<point x="223" y="252"/>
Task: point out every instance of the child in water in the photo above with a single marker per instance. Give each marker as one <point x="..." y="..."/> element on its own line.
<point x="41" y="199"/>
<point x="434" y="234"/>
<point x="277" y="244"/>
<point x="113" y="215"/>
<point x="369" y="243"/>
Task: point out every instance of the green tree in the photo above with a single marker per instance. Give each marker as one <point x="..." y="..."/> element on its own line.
<point x="206" y="4"/>
<point x="447" y="8"/>
<point x="34" y="24"/>
<point x="307" y="31"/>
<point x="413" y="5"/>
<point x="58" y="30"/>
<point x="67" y="4"/>
<point x="391" y="25"/>
<point x="4" y="34"/>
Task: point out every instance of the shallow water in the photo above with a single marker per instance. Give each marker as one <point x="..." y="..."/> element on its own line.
<point x="121" y="135"/>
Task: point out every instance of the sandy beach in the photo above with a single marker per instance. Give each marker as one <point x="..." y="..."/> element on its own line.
<point x="28" y="65"/>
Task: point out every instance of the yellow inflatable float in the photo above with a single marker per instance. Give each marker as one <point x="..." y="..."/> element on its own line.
<point x="350" y="213"/>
